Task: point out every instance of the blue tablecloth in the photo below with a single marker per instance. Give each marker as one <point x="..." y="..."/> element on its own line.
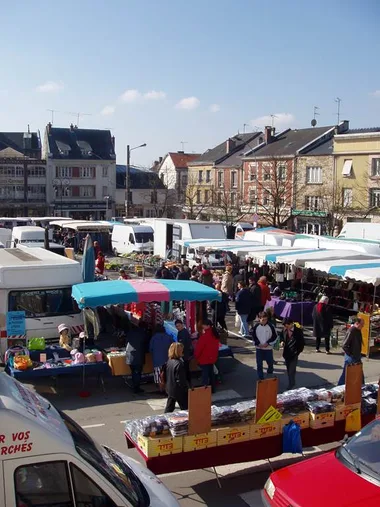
<point x="75" y="370"/>
<point x="49" y="351"/>
<point x="300" y="311"/>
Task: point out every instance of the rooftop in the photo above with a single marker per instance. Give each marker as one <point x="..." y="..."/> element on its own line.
<point x="181" y="159"/>
<point x="23" y="142"/>
<point x="324" y="148"/>
<point x="139" y="178"/>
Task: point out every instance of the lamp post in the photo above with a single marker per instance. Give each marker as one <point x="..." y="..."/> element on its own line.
<point x="107" y="199"/>
<point x="60" y="183"/>
<point x="128" y="178"/>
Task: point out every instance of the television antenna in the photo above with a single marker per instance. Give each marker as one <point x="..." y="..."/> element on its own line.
<point x="273" y="116"/>
<point x="314" y="120"/>
<point x="79" y="115"/>
<point x="52" y="111"/>
<point x="338" y="101"/>
<point x="182" y="143"/>
<point x="245" y="125"/>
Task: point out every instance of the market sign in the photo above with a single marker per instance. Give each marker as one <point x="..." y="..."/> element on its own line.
<point x="15" y="323"/>
<point x="309" y="213"/>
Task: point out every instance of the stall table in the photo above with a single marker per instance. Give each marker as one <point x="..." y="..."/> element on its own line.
<point x="298" y="311"/>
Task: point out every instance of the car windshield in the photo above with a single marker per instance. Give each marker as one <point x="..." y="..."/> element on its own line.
<point x="363" y="451"/>
<point x="108" y="463"/>
<point x="143" y="237"/>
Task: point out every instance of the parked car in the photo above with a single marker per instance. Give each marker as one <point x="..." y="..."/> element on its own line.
<point x="349" y="476"/>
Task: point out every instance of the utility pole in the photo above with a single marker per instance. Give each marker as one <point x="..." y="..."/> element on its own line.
<point x="338" y="101"/>
<point x="128" y="182"/>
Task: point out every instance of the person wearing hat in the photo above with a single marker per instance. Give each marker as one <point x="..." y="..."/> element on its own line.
<point x="64" y="337"/>
<point x="322" y="323"/>
<point x="123" y="275"/>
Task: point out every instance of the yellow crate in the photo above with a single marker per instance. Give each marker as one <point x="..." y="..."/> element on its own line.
<point x="325" y="420"/>
<point x="303" y="419"/>
<point x="234" y="434"/>
<point x="270" y="429"/>
<point x="159" y="446"/>
<point x="342" y="411"/>
<point x="199" y="441"/>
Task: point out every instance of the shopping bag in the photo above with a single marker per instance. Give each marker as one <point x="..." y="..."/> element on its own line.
<point x="291" y="438"/>
<point x="276" y="345"/>
<point x="353" y="421"/>
<point x="36" y="344"/>
<point x="237" y="320"/>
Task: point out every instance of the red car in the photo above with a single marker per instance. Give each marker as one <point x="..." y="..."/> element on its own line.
<point x="347" y="477"/>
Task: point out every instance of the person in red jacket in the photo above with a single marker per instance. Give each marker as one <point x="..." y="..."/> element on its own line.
<point x="99" y="264"/>
<point x="206" y="353"/>
<point x="265" y="291"/>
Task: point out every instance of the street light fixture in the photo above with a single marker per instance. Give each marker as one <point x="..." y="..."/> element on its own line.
<point x="128" y="178"/>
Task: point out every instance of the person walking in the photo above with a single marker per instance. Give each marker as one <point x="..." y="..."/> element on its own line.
<point x="243" y="305"/>
<point x="293" y="342"/>
<point x="175" y="379"/>
<point x="240" y="277"/>
<point x="137" y="341"/>
<point x="206" y="353"/>
<point x="159" y="347"/>
<point x="352" y="347"/>
<point x="265" y="292"/>
<point x="220" y="309"/>
<point x="264" y="335"/>
<point x="183" y="274"/>
<point x="99" y="264"/>
<point x="255" y="291"/>
<point x="228" y="282"/>
<point x="183" y="336"/>
<point x="206" y="276"/>
<point x="322" y="323"/>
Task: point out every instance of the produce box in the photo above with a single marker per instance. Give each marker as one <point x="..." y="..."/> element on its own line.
<point x="302" y="418"/>
<point x="233" y="434"/>
<point x="159" y="446"/>
<point x="342" y="411"/>
<point x="324" y="420"/>
<point x="270" y="429"/>
<point x="199" y="441"/>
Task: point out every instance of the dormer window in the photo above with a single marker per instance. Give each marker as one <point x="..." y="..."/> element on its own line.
<point x="63" y="149"/>
<point x="85" y="148"/>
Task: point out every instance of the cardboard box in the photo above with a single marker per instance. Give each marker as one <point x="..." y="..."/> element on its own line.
<point x="342" y="411"/>
<point x="265" y="430"/>
<point x="325" y="420"/>
<point x="234" y="434"/>
<point x="159" y="446"/>
<point x="200" y="441"/>
<point x="302" y="418"/>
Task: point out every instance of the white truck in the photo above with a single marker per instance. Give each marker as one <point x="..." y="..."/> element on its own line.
<point x="38" y="283"/>
<point x="47" y="459"/>
<point x="132" y="238"/>
<point x="33" y="237"/>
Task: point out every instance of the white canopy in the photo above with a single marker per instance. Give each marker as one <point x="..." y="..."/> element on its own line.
<point x="217" y="244"/>
<point x="300" y="258"/>
<point x="367" y="275"/>
<point x="339" y="267"/>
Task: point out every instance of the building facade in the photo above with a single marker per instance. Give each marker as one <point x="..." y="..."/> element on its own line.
<point x="22" y="175"/>
<point x="173" y="171"/>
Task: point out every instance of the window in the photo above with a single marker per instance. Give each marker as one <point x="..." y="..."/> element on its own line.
<point x="131" y="239"/>
<point x="105" y="171"/>
<point x="86" y="191"/>
<point x="313" y="203"/>
<point x="314" y="175"/>
<point x="37" y="172"/>
<point x="87" y="172"/>
<point x="61" y="191"/>
<point x="208" y="176"/>
<point x="233" y="199"/>
<point x="220" y="179"/>
<point x="105" y="191"/>
<point x="220" y="198"/>
<point x="347" y="168"/>
<point x="144" y="237"/>
<point x="267" y="174"/>
<point x="347" y="197"/>
<point x="207" y="195"/>
<point x="234" y="179"/>
<point x="281" y="172"/>
<point x="63" y="172"/>
<point x="37" y="484"/>
<point x="153" y="197"/>
<point x="42" y="303"/>
<point x="375" y="197"/>
<point x="200" y="176"/>
<point x="184" y="180"/>
<point x="86" y="492"/>
<point x="375" y="167"/>
<point x="198" y="196"/>
<point x="266" y="198"/>
<point x="252" y="197"/>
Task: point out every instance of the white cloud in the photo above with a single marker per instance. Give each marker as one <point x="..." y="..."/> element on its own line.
<point x="130" y="96"/>
<point x="214" y="108"/>
<point x="107" y="110"/>
<point x="188" y="103"/>
<point x="280" y="121"/>
<point x="50" y="87"/>
<point x="154" y="95"/>
<point x="376" y="94"/>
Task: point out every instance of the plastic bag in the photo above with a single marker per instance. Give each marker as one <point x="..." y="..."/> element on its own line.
<point x="237" y="320"/>
<point x="36" y="344"/>
<point x="22" y="362"/>
<point x="353" y="421"/>
<point x="291" y="438"/>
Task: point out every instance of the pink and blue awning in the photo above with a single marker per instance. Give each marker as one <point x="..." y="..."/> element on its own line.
<point x="113" y="292"/>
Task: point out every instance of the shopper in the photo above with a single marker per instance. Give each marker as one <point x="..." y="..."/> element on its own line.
<point x="264" y="335"/>
<point x="219" y="308"/>
<point x="228" y="282"/>
<point x="265" y="292"/>
<point x="183" y="336"/>
<point x="243" y="305"/>
<point x="183" y="274"/>
<point x="97" y="249"/>
<point x="158" y="273"/>
<point x="206" y="276"/>
<point x="175" y="379"/>
<point x="99" y="264"/>
<point x="256" y="300"/>
<point x="240" y="277"/>
<point x="322" y="323"/>
<point x="293" y="342"/>
<point x="206" y="353"/>
<point x="352" y="347"/>
<point x="159" y="347"/>
<point x="123" y="275"/>
<point x="137" y="340"/>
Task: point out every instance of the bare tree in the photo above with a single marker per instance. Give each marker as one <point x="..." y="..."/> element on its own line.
<point x="161" y="198"/>
<point x="195" y="199"/>
<point x="230" y="207"/>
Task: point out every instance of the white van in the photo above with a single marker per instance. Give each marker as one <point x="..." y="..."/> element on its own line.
<point x="32" y="237"/>
<point x="47" y="459"/>
<point x="37" y="282"/>
<point x="132" y="238"/>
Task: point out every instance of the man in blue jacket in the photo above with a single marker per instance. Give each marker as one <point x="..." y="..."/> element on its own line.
<point x="264" y="335"/>
<point x="243" y="305"/>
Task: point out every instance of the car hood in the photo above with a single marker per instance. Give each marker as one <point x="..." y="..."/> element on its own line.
<point x="323" y="480"/>
<point x="158" y="493"/>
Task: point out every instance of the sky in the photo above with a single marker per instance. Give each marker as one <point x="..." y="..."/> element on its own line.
<point x="163" y="72"/>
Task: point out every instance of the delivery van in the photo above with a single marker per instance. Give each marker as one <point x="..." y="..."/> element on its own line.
<point x="132" y="238"/>
<point x="46" y="459"/>
<point x="37" y="283"/>
<point x="32" y="237"/>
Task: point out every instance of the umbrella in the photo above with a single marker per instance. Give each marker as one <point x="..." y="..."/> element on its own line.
<point x="88" y="260"/>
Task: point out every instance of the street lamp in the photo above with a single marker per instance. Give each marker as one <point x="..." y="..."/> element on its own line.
<point x="128" y="178"/>
<point x="107" y="199"/>
<point x="60" y="183"/>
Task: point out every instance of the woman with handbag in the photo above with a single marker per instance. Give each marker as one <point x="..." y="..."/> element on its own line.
<point x="174" y="375"/>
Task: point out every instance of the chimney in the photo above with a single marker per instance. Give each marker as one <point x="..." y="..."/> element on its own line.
<point x="113" y="142"/>
<point x="343" y="126"/>
<point x="182" y="152"/>
<point x="49" y="125"/>
<point x="230" y="145"/>
<point x="159" y="160"/>
<point x="71" y="127"/>
<point x="268" y="134"/>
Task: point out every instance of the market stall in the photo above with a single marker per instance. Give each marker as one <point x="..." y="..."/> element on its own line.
<point x="298" y="311"/>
